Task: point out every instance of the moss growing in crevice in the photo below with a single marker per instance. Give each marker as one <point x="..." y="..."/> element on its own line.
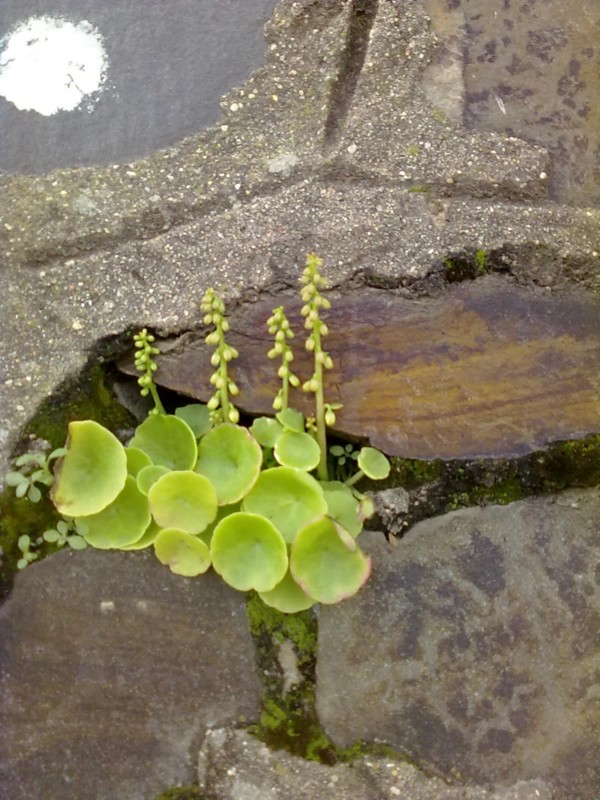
<point x="435" y="487"/>
<point x="88" y="397"/>
<point x="289" y="719"/>
<point x="191" y="792"/>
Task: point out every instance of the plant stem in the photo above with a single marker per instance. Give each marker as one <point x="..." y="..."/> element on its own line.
<point x="355" y="478"/>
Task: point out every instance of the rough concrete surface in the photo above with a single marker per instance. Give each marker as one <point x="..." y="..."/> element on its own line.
<point x="112" y="668"/>
<point x="474" y="648"/>
<point x="234" y="766"/>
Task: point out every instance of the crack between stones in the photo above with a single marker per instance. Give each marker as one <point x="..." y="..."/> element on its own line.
<point x="361" y="19"/>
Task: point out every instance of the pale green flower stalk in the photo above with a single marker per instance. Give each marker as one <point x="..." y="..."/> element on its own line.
<point x="220" y="406"/>
<point x="312" y="282"/>
<point x="279" y="326"/>
<point x="145" y="363"/>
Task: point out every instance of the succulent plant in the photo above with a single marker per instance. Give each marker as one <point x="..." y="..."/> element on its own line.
<point x="256" y="503"/>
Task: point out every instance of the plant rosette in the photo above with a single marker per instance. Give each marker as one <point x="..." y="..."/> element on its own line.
<point x="257" y="504"/>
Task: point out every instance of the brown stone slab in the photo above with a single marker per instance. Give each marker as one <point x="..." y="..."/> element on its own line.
<point x="486" y="369"/>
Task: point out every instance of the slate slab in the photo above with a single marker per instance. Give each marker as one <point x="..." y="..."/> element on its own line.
<point x="483" y="368"/>
<point x="475" y="646"/>
<point x="233" y="764"/>
<point x="111" y="670"/>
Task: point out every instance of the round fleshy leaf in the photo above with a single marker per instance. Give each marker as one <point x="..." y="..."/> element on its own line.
<point x="291" y="420"/>
<point x="147" y="477"/>
<point x="168" y="440"/>
<point x="298" y="450"/>
<point x="92" y="473"/>
<point x="136" y="460"/>
<point x="231" y="458"/>
<point x="197" y="417"/>
<point x="327" y="563"/>
<point x="248" y="552"/>
<point x="288" y="497"/>
<point x="184" y="500"/>
<point x="183" y="553"/>
<point x="147" y="539"/>
<point x="266" y="431"/>
<point x="287" y="596"/>
<point x="121" y="523"/>
<point x="342" y="506"/>
<point x="373" y="463"/>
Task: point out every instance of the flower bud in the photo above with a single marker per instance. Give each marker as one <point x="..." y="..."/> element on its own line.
<point x="328" y="363"/>
<point x="283" y="371"/>
<point x="329" y="417"/>
<point x="224" y="326"/>
<point x="310" y="343"/>
<point x="219" y="382"/>
<point x="234" y="415"/>
<point x="233" y="388"/>
<point x="278" y="402"/>
<point x="294" y="380"/>
<point x="214" y="359"/>
<point x="207" y="319"/>
<point x="213" y="403"/>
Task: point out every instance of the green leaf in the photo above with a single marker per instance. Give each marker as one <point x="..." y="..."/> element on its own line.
<point x="231" y="458"/>
<point x="168" y="440"/>
<point x="298" y="450"/>
<point x="24" y="543"/>
<point x="184" y="500"/>
<point x="76" y="542"/>
<point x="148" y="476"/>
<point x="136" y="460"/>
<point x="31" y="458"/>
<point x="21" y="489"/>
<point x="373" y="463"/>
<point x="266" y="431"/>
<point x="121" y="523"/>
<point x="92" y="473"/>
<point x="287" y="497"/>
<point x="327" y="563"/>
<point x="34" y="494"/>
<point x="60" y="451"/>
<point x="51" y="536"/>
<point x="291" y="420"/>
<point x="15" y="478"/>
<point x="342" y="506"/>
<point x="248" y="552"/>
<point x="147" y="539"/>
<point x="287" y="596"/>
<point x="183" y="553"/>
<point x="197" y="417"/>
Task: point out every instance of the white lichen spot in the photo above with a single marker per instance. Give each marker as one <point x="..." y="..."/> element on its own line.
<point x="48" y="64"/>
<point x="107" y="606"/>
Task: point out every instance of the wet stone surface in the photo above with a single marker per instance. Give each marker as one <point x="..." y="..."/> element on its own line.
<point x="474" y="648"/>
<point x="112" y="668"/>
<point x="482" y="369"/>
<point x="530" y="68"/>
